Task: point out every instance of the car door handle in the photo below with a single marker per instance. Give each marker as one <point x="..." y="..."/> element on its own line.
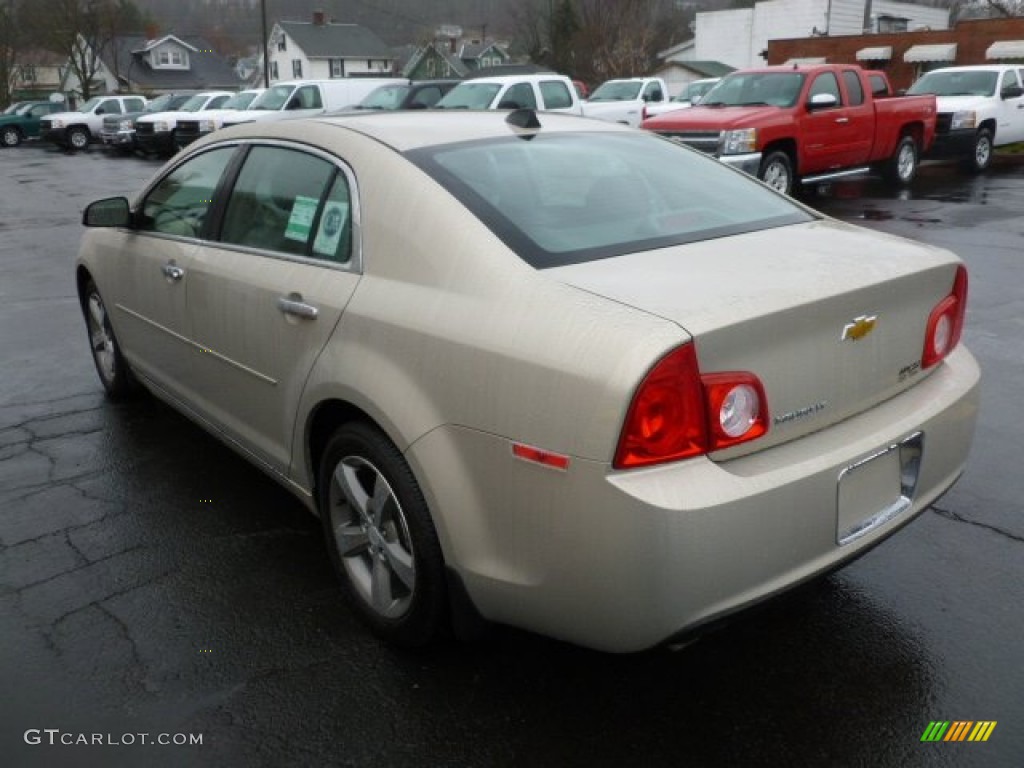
<point x="172" y="271"/>
<point x="297" y="308"/>
<point x="842" y="120"/>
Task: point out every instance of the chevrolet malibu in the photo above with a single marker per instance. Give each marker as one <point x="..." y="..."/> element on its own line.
<point x="536" y="369"/>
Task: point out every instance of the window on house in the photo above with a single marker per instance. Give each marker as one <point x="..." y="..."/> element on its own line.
<point x="296" y="68"/>
<point x="28" y="73"/>
<point x="273" y="71"/>
<point x="337" y="68"/>
<point x="163" y="58"/>
<point x="177" y="59"/>
<point x="282" y="44"/>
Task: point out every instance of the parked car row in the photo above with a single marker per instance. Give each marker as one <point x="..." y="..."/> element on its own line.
<point x="808" y="124"/>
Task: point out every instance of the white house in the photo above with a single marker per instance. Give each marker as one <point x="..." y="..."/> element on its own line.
<point x="322" y="49"/>
<point x="738" y="37"/>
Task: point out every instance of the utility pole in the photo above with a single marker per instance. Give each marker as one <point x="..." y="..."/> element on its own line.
<point x="265" y="46"/>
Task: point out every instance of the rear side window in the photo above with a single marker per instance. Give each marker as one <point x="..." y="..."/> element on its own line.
<point x="291" y="202"/>
<point x="555" y="94"/>
<point x="853" y="87"/>
<point x="566" y="198"/>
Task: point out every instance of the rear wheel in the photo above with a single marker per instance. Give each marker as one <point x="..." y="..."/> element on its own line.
<point x="380" y="536"/>
<point x="777" y="172"/>
<point x="78" y="138"/>
<point x="11" y="136"/>
<point x="113" y="371"/>
<point x="902" y="166"/>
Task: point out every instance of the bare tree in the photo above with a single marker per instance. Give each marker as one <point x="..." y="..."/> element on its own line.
<point x="80" y="29"/>
<point x="10" y="42"/>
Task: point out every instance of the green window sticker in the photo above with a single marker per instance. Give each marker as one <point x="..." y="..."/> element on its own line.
<point x="301" y="220"/>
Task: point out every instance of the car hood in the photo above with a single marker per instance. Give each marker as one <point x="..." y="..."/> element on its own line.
<point x="152" y="117"/>
<point x="712" y="118"/>
<point x="65" y="116"/>
<point x="958" y="103"/>
<point x="814" y="282"/>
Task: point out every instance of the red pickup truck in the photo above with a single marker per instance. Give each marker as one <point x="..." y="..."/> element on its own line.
<point x="806" y="123"/>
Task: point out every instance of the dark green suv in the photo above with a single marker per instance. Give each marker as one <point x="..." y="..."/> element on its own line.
<point x="23" y="123"/>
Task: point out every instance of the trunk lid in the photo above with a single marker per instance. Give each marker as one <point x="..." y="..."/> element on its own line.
<point x="830" y="317"/>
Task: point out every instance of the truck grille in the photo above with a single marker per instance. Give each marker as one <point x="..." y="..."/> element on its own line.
<point x="942" y="122"/>
<point x="144" y="129"/>
<point x="187" y="131"/>
<point x="705" y="141"/>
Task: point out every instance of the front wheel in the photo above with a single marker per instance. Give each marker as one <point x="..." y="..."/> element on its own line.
<point x="380" y="536"/>
<point x="78" y="138"/>
<point x="113" y="371"/>
<point x="981" y="157"/>
<point x="11" y="136"/>
<point x="902" y="166"/>
<point x="777" y="172"/>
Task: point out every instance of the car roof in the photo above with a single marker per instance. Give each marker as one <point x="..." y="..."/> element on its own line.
<point x="408" y="130"/>
<point x="977" y="68"/>
<point x="535" y="77"/>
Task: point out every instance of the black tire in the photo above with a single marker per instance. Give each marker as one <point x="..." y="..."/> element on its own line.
<point x="981" y="153"/>
<point x="387" y="558"/>
<point x="10" y="137"/>
<point x="777" y="172"/>
<point x="901" y="168"/>
<point x="114" y="373"/>
<point x="78" y="138"/>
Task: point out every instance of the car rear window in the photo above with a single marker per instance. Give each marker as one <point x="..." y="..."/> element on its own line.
<point x="565" y="198"/>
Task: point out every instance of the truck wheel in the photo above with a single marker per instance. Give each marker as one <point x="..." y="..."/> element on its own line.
<point x="902" y="166"/>
<point x="777" y="172"/>
<point x="981" y="158"/>
<point x="78" y="138"/>
<point x="11" y="136"/>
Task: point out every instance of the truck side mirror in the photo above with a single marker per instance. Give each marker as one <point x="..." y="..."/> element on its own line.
<point x="822" y="101"/>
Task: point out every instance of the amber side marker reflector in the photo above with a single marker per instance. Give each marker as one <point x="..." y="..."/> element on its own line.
<point x="540" y="456"/>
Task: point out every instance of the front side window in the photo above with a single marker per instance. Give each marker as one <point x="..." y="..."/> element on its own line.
<point x="825" y="83"/>
<point x="566" y="198"/>
<point x="518" y="96"/>
<point x="110" y="107"/>
<point x="555" y="94"/>
<point x="1010" y="80"/>
<point x="178" y="204"/>
<point x="291" y="202"/>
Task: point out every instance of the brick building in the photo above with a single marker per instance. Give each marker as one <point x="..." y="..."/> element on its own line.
<point x="904" y="56"/>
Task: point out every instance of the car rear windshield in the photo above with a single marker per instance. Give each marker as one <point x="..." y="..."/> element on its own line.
<point x="566" y="198"/>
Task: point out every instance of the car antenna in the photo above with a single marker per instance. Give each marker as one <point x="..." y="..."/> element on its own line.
<point x="523" y="118"/>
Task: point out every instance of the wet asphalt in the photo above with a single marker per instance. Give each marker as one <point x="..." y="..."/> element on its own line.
<point x="154" y="586"/>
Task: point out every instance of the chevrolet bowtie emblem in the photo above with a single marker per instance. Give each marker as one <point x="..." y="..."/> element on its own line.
<point x="859" y="328"/>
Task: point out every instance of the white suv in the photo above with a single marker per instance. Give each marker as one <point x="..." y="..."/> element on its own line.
<point x="547" y="92"/>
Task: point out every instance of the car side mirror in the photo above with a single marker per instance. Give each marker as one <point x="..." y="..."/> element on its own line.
<point x="822" y="101"/>
<point x="1012" y="92"/>
<point x="109" y="212"/>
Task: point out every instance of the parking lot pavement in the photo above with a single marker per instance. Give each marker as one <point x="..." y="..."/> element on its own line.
<point x="152" y="583"/>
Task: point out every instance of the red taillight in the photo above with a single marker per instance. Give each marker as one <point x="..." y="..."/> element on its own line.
<point x="676" y="413"/>
<point x="946" y="322"/>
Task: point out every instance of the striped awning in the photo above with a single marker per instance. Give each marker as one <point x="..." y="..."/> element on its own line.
<point x="879" y="53"/>
<point x="936" y="52"/>
<point x="806" y="60"/>
<point x="1006" y="49"/>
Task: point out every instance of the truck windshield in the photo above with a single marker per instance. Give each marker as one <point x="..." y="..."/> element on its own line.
<point x="90" y="105"/>
<point x="273" y="99"/>
<point x="385" y="97"/>
<point x="957" y="83"/>
<point x="469" y="96"/>
<point x="566" y="198"/>
<point x="617" y="90"/>
<point x="777" y="89"/>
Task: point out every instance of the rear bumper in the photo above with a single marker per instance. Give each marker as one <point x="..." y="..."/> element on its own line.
<point x="623" y="561"/>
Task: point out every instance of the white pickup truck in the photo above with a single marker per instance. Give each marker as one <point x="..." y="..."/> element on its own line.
<point x="979" y="108"/>
<point x="75" y="130"/>
<point x="623" y="100"/>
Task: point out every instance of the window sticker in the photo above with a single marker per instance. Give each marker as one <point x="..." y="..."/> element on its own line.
<point x="301" y="220"/>
<point x="331" y="226"/>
